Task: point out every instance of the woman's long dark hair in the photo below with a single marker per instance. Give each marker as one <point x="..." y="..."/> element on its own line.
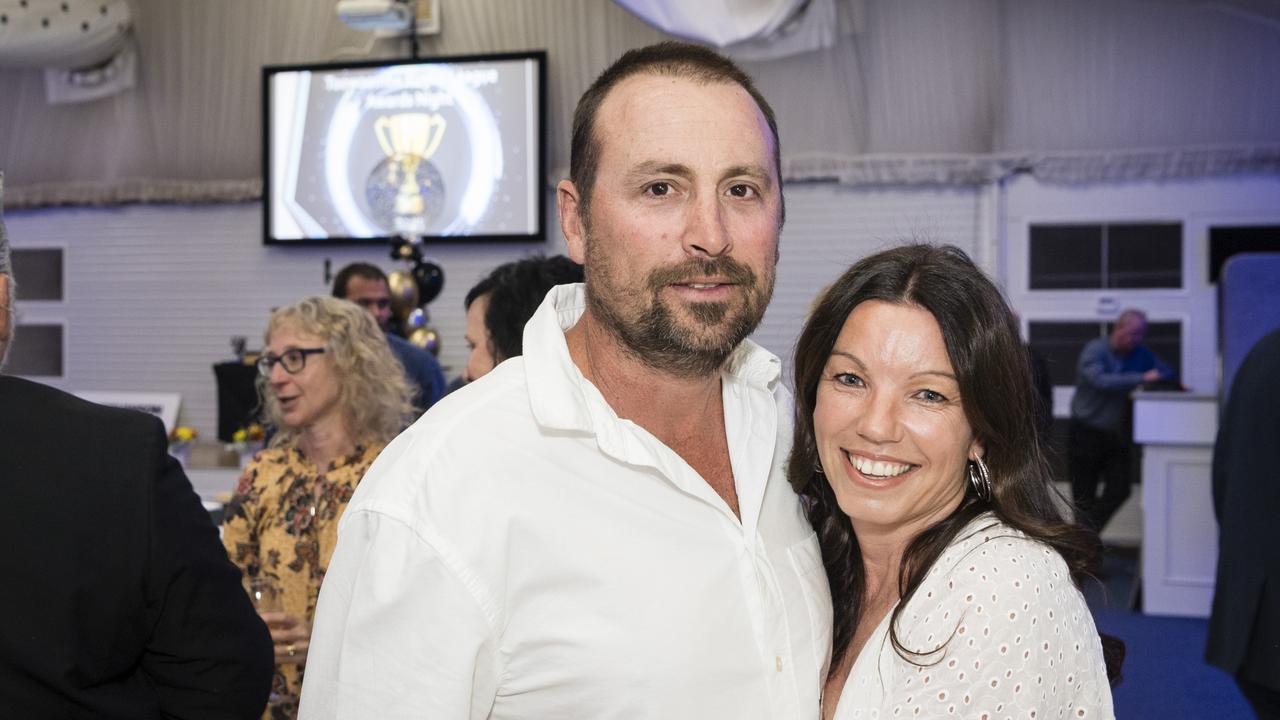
<point x="994" y="374"/>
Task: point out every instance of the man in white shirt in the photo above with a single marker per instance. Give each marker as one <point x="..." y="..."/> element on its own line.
<point x="602" y="527"/>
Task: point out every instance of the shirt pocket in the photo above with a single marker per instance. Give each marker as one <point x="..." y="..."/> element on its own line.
<point x="806" y="561"/>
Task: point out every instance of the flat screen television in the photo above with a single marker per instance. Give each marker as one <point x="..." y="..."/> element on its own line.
<point x="443" y="149"/>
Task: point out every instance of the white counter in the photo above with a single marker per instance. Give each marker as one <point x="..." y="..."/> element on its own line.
<point x="1175" y="432"/>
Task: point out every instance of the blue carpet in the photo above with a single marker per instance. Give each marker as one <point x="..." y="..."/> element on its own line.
<point x="1165" y="675"/>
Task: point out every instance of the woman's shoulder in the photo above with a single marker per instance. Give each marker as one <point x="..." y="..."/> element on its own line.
<point x="352" y="467"/>
<point x="364" y="454"/>
<point x="990" y="566"/>
<point x="1000" y="626"/>
<point x="987" y="548"/>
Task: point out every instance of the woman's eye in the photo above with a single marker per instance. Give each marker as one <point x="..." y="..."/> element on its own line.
<point x="931" y="396"/>
<point x="847" y="379"/>
<point x="660" y="189"/>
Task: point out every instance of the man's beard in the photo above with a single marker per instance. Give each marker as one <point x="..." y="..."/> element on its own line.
<point x="652" y="331"/>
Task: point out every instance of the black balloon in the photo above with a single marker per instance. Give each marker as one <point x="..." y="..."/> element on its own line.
<point x="430" y="279"/>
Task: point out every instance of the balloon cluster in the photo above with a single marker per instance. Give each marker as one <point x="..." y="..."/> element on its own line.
<point x="412" y="290"/>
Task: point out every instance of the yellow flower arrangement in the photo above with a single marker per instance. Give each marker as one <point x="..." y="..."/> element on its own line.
<point x="181" y="440"/>
<point x="247" y="440"/>
<point x="252" y="433"/>
<point x="183" y="434"/>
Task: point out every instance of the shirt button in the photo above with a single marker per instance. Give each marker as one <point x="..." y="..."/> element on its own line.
<point x="778" y="661"/>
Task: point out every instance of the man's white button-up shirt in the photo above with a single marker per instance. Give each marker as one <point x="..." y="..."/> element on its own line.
<point x="521" y="552"/>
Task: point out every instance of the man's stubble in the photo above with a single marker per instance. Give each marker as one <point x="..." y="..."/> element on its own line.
<point x="650" y="329"/>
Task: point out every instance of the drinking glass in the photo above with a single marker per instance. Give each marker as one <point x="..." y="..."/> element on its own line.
<point x="265" y="596"/>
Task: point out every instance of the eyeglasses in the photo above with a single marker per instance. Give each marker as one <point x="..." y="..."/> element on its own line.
<point x="380" y="303"/>
<point x="293" y="360"/>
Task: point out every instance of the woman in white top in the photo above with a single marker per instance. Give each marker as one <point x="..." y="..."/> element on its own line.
<point x="954" y="577"/>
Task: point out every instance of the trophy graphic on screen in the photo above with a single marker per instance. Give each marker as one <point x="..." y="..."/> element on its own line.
<point x="406" y="191"/>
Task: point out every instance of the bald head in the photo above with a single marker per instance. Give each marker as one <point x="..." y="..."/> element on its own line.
<point x="1128" y="332"/>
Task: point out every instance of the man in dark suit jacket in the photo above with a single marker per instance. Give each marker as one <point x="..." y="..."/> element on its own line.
<point x="1244" y="629"/>
<point x="116" y="598"/>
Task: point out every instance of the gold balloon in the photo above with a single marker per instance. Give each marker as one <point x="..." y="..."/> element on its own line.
<point x="427" y="339"/>
<point x="404" y="293"/>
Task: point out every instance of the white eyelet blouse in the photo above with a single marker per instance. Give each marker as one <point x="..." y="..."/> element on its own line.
<point x="1007" y="635"/>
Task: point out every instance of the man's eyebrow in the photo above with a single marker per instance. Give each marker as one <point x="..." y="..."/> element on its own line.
<point x="658" y="167"/>
<point x="649" y="168"/>
<point x="755" y="172"/>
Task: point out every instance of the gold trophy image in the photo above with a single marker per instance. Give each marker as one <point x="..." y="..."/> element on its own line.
<point x="406" y="191"/>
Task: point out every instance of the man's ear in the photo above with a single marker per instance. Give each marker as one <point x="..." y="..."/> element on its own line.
<point x="568" y="207"/>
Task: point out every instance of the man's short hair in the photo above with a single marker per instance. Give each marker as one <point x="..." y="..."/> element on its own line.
<point x="671" y="59"/>
<point x="484" y="287"/>
<point x="359" y="269"/>
<point x="515" y="291"/>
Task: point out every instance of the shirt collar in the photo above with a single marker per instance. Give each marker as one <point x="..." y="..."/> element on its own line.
<point x="562" y="398"/>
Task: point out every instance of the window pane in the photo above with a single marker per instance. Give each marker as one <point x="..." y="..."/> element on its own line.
<point x="36" y="350"/>
<point x="1060" y="343"/>
<point x="38" y="272"/>
<point x="1227" y="241"/>
<point x="1144" y="255"/>
<point x="1165" y="340"/>
<point x="1065" y="256"/>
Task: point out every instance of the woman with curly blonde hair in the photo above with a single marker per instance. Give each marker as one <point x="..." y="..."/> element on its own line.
<point x="336" y="395"/>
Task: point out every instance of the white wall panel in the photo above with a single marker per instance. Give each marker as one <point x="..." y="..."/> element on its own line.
<point x="154" y="293"/>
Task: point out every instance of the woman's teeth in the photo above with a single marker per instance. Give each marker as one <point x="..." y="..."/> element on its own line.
<point x="878" y="468"/>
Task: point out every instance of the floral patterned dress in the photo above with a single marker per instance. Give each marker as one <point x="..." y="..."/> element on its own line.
<point x="282" y="525"/>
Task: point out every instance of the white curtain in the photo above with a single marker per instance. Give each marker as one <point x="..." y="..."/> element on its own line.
<point x="745" y="29"/>
<point x="912" y="92"/>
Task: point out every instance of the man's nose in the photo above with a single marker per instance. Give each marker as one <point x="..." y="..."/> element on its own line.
<point x="706" y="233"/>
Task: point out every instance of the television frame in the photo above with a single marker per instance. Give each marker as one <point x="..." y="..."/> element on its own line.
<point x="540" y="171"/>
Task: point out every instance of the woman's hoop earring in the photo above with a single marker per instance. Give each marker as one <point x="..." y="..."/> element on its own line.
<point x="817" y="466"/>
<point x="980" y="477"/>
